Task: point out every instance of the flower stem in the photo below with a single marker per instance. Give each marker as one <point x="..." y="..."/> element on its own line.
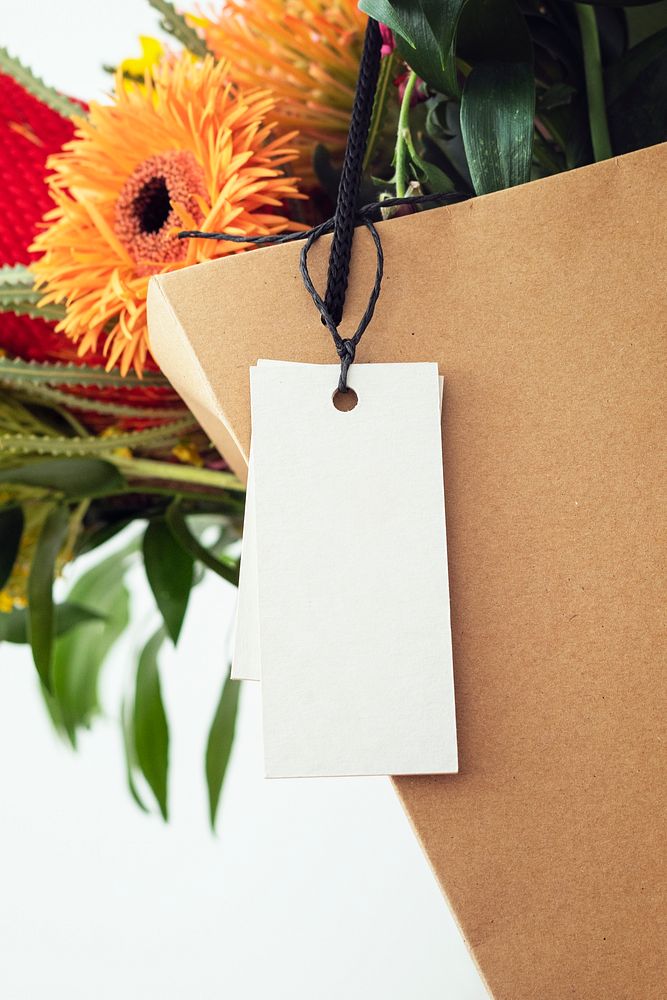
<point x="387" y="67"/>
<point x="147" y="468"/>
<point x="597" y="112"/>
<point x="401" y="155"/>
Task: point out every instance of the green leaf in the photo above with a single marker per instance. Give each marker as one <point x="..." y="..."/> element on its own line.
<point x="497" y="111"/>
<point x="225" y="567"/>
<point x="498" y="100"/>
<point x="130" y="753"/>
<point x="14" y="624"/>
<point x="41" y="618"/>
<point x="76" y="478"/>
<point x="47" y="95"/>
<point x="394" y="14"/>
<point x="91" y="536"/>
<point x="443" y="129"/>
<point x="56" y="373"/>
<point x="70" y="447"/>
<point x="80" y="654"/>
<point x="11" y="529"/>
<point x="219" y="746"/>
<point x="424" y="32"/>
<point x="151" y="731"/>
<point x="48" y="396"/>
<point x="429" y="175"/>
<point x="169" y="572"/>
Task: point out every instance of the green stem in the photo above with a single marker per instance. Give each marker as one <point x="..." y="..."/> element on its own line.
<point x="597" y="112"/>
<point x="401" y="156"/>
<point x="387" y="68"/>
<point x="147" y="468"/>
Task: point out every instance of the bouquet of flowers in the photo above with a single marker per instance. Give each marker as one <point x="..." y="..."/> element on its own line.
<point x="239" y="126"/>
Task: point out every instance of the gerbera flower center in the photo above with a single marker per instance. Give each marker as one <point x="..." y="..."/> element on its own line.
<point x="154" y="203"/>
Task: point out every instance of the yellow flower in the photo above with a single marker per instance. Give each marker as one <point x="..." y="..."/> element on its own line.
<point x="152" y="52"/>
<point x="306" y="51"/>
<point x="186" y="149"/>
<point x="188" y="453"/>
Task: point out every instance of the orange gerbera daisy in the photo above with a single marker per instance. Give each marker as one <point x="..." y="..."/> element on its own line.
<point x="306" y="51"/>
<point x="185" y="150"/>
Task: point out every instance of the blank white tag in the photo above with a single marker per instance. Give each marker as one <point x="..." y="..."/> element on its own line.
<point x="352" y="573"/>
<point x="246" y="658"/>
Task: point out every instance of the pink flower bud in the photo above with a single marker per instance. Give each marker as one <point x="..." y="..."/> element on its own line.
<point x="419" y="93"/>
<point x="388" y="41"/>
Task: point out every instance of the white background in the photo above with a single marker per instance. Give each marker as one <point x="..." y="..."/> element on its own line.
<point x="312" y="890"/>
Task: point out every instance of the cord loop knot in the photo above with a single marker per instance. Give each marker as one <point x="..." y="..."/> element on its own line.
<point x="346" y="349"/>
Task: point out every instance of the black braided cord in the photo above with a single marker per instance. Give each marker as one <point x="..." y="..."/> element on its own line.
<point x="345" y="346"/>
<point x="350" y="178"/>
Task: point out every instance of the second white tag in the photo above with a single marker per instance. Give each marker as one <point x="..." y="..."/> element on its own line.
<point x="352" y="573"/>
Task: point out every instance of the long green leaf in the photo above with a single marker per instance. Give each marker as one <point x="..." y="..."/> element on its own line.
<point x="225" y="567"/>
<point x="75" y="478"/>
<point x="71" y="447"/>
<point x="497" y="111"/>
<point x="150" y="727"/>
<point x="11" y="529"/>
<point x="68" y="615"/>
<point x="130" y="753"/>
<point x="169" y="571"/>
<point x="394" y="14"/>
<point x="443" y="130"/>
<point x="57" y="373"/>
<point x="80" y="655"/>
<point x="425" y="31"/>
<point x="90" y="404"/>
<point x="219" y="746"/>
<point x="41" y="618"/>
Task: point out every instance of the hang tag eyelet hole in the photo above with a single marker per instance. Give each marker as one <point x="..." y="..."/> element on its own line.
<point x="345" y="401"/>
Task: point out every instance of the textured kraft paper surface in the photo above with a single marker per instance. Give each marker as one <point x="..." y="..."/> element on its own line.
<point x="545" y="307"/>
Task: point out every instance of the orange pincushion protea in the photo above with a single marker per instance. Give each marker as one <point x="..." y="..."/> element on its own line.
<point x="306" y="51"/>
<point x="186" y="150"/>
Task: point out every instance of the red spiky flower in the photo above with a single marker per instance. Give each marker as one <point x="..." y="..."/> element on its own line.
<point x="30" y="131"/>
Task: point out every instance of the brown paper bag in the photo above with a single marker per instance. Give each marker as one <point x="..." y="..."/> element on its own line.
<point x="545" y="307"/>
